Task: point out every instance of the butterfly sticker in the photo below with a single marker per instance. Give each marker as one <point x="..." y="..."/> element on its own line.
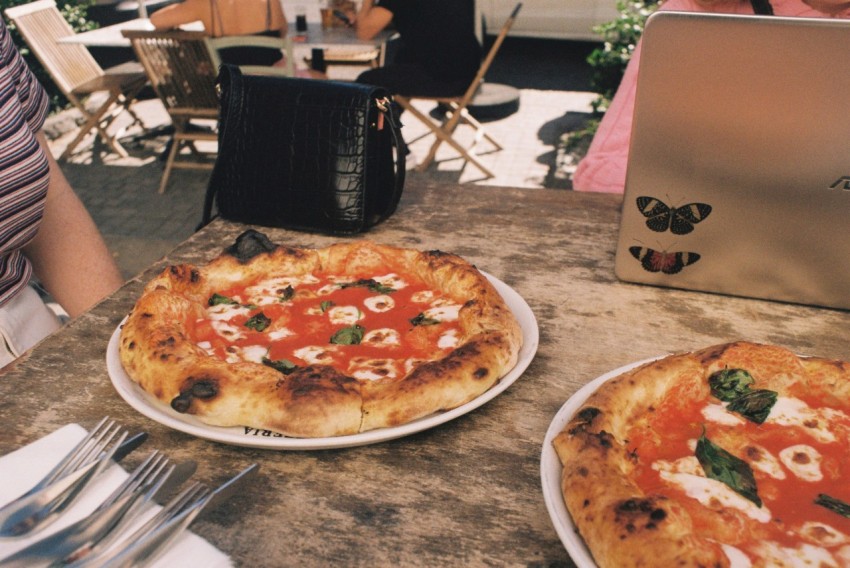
<point x="680" y="220"/>
<point x="663" y="261"/>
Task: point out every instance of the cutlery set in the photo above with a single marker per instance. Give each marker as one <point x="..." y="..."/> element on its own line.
<point x="123" y="530"/>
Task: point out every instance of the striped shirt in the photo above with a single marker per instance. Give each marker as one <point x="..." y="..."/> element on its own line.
<point x="24" y="169"/>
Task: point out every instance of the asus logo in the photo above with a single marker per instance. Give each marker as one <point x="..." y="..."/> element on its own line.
<point x="843" y="182"/>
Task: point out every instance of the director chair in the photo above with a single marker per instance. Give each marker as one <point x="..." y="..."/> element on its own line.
<point x="459" y="113"/>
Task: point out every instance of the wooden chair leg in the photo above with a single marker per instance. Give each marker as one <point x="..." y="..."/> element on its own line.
<point x="169" y="163"/>
<point x="442" y="136"/>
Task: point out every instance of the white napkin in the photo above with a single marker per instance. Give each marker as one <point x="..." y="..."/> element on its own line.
<point x="21" y="469"/>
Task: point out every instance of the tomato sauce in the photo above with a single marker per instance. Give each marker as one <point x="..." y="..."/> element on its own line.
<point x="671" y="430"/>
<point x="332" y="319"/>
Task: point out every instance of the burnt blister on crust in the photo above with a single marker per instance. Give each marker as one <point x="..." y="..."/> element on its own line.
<point x="203" y="388"/>
<point x="249" y="244"/>
<point x="639" y="514"/>
<point x="185" y="272"/>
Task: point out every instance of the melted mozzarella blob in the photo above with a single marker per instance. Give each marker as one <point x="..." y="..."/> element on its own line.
<point x="803" y="461"/>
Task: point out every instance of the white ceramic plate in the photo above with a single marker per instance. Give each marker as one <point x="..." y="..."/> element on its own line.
<point x="162" y="413"/>
<point x="550" y="470"/>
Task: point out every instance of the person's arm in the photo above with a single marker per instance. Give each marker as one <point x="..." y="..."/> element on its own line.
<point x="68" y="254"/>
<point x="174" y="16"/>
<point x="371" y="20"/>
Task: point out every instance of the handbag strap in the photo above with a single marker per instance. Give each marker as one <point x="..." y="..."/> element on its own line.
<point x="762" y="7"/>
<point x="385" y="106"/>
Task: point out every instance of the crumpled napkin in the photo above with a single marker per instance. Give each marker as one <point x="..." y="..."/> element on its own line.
<point x="20" y="470"/>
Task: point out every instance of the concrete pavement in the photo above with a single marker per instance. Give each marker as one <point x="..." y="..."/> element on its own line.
<point x="140" y="226"/>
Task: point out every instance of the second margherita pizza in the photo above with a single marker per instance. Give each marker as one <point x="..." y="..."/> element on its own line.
<point x="317" y="343"/>
<point x="735" y="455"/>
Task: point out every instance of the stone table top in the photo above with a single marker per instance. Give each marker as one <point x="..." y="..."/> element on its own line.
<point x="467" y="491"/>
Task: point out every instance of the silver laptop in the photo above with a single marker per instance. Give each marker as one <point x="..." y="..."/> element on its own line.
<point x="738" y="179"/>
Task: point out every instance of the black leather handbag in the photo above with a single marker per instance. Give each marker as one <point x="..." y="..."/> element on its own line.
<point x="305" y="154"/>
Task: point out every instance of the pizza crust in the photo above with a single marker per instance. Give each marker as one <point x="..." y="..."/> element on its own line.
<point x="314" y="401"/>
<point x="622" y="525"/>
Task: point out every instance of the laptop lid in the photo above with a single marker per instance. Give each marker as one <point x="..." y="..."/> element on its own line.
<point x="738" y="180"/>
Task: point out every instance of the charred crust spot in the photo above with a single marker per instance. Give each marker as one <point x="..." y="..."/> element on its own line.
<point x="194" y="276"/>
<point x="182" y="403"/>
<point x="585" y="503"/>
<point x="164" y="356"/>
<point x="146" y="315"/>
<point x="480" y="373"/>
<point x="436" y="253"/>
<point x="635" y="506"/>
<point x="658" y="515"/>
<point x="166" y="342"/>
<point x="605" y="439"/>
<point x="588" y="414"/>
<point x="131" y="345"/>
<point x="249" y="244"/>
<point x="174" y="270"/>
<point x="651" y="526"/>
<point x="583" y="471"/>
<point x="469" y="303"/>
<point x="204" y="389"/>
<point x="630" y="527"/>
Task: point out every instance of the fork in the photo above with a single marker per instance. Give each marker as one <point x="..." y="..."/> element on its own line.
<point x="75" y="541"/>
<point x="37" y="509"/>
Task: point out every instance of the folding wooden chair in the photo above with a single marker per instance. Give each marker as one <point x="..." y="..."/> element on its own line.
<point x="182" y="67"/>
<point x="283" y="44"/>
<point x="76" y="73"/>
<point x="182" y="70"/>
<point x="459" y="114"/>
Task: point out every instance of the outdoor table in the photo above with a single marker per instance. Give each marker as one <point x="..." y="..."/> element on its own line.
<point x="110" y="36"/>
<point x="467" y="492"/>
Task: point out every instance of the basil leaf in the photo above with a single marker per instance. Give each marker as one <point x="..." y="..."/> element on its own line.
<point x="348" y="335"/>
<point x="369" y="283"/>
<point x="324" y="306"/>
<point x="754" y="405"/>
<point x="833" y="504"/>
<point x="285" y="366"/>
<point x="259" y="322"/>
<point x="287" y="294"/>
<point x="422" y="319"/>
<point x="722" y="466"/>
<point x="729" y="384"/>
<point x="218" y="299"/>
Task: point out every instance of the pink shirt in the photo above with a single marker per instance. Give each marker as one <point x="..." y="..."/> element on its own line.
<point x="604" y="167"/>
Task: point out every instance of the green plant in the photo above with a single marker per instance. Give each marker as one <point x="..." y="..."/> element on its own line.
<point x="620" y="38"/>
<point x="75" y="13"/>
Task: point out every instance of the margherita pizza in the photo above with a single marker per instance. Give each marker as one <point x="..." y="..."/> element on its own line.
<point x="736" y="455"/>
<point x="316" y="343"/>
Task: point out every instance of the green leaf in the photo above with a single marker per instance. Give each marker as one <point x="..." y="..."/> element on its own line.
<point x="729" y="384"/>
<point x="285" y="366"/>
<point x="258" y="322"/>
<point x="754" y="405"/>
<point x="369" y="283"/>
<point x="218" y="299"/>
<point x="833" y="504"/>
<point x="348" y="335"/>
<point x="722" y="466"/>
<point x="326" y="305"/>
<point x="422" y="319"/>
<point x="288" y="294"/>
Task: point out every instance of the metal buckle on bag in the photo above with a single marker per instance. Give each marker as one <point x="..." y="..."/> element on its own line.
<point x="384" y="106"/>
